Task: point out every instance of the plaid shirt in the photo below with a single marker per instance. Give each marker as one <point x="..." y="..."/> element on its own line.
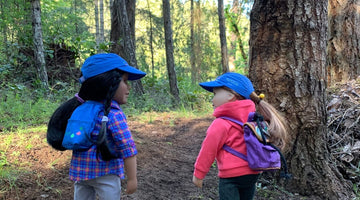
<point x="84" y="165"/>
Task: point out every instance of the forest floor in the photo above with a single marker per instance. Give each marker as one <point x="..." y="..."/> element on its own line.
<point x="167" y="148"/>
<point x="167" y="151"/>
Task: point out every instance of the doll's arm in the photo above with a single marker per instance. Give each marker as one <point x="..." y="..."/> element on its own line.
<point x="130" y="170"/>
<point x="197" y="182"/>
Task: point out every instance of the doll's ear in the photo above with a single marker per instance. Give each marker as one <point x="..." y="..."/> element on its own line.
<point x="231" y="97"/>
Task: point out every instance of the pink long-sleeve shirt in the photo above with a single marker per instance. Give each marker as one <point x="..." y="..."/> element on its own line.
<point x="222" y="132"/>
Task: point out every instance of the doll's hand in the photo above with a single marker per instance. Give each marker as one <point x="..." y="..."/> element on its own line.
<point x="131" y="186"/>
<point x="197" y="182"/>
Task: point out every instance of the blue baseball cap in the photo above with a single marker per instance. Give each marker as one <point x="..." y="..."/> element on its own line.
<point x="104" y="62"/>
<point x="237" y="82"/>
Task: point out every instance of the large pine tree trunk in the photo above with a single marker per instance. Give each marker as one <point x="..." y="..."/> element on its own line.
<point x="224" y="53"/>
<point x="121" y="38"/>
<point x="170" y="52"/>
<point x="38" y="44"/>
<point x="344" y="42"/>
<point x="287" y="63"/>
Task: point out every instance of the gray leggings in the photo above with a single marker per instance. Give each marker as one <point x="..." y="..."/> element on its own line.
<point x="105" y="187"/>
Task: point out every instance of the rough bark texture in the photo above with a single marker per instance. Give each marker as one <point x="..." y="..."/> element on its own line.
<point x="344" y="40"/>
<point x="170" y="52"/>
<point x="287" y="63"/>
<point x="224" y="53"/>
<point x="121" y="38"/>
<point x="38" y="44"/>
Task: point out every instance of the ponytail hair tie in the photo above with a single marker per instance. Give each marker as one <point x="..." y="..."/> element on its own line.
<point x="261" y="97"/>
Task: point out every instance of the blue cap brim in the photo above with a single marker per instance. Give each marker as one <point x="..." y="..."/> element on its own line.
<point x="134" y="73"/>
<point x="209" y="86"/>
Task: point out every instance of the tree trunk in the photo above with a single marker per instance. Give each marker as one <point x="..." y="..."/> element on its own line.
<point x="170" y="52"/>
<point x="4" y="25"/>
<point x="121" y="39"/>
<point x="76" y="22"/>
<point x="101" y="23"/>
<point x="192" y="42"/>
<point x="130" y="10"/>
<point x="97" y="24"/>
<point x="287" y="63"/>
<point x="151" y="41"/>
<point x="224" y="54"/>
<point x="344" y="43"/>
<point x="38" y="44"/>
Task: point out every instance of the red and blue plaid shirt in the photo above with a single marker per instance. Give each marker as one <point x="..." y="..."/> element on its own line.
<point x="85" y="165"/>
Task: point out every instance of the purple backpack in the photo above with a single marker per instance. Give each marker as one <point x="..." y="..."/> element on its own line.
<point x="261" y="155"/>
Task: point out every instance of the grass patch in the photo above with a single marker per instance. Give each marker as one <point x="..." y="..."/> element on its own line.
<point x="8" y="177"/>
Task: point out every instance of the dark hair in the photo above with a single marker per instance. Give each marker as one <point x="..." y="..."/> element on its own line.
<point x="98" y="88"/>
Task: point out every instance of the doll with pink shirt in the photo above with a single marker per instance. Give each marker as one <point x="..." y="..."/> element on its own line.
<point x="234" y="97"/>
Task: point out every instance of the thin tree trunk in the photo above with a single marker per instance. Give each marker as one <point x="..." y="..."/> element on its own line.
<point x="170" y="52"/>
<point x="121" y="38"/>
<point x="75" y="13"/>
<point x="4" y="26"/>
<point x="192" y="44"/>
<point x="151" y="41"/>
<point x="287" y="63"/>
<point x="344" y="42"/>
<point x="198" y="38"/>
<point x="224" y="53"/>
<point x="101" y="23"/>
<point x="97" y="25"/>
<point x="38" y="44"/>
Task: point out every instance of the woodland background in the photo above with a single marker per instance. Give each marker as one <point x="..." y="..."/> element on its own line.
<point x="303" y="54"/>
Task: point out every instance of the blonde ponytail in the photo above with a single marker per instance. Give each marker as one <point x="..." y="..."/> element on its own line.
<point x="277" y="124"/>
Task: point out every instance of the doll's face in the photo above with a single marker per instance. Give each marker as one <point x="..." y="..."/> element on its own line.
<point x="122" y="93"/>
<point x="222" y="96"/>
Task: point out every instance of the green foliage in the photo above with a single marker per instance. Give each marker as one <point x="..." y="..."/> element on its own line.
<point x="158" y="98"/>
<point x="21" y="108"/>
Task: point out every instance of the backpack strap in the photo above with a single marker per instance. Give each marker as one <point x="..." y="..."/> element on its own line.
<point x="234" y="152"/>
<point x="233" y="120"/>
<point x="228" y="148"/>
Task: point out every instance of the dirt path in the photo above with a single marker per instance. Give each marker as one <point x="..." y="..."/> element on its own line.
<point x="167" y="151"/>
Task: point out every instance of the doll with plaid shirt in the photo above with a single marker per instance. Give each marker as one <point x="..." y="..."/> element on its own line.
<point x="98" y="170"/>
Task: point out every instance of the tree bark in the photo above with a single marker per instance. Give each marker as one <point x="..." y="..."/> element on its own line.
<point x="224" y="53"/>
<point x="121" y="39"/>
<point x="287" y="63"/>
<point x="151" y="41"/>
<point x="4" y="25"/>
<point x="97" y="24"/>
<point x="38" y="44"/>
<point x="344" y="43"/>
<point x="170" y="52"/>
<point x="192" y="44"/>
<point x="101" y="24"/>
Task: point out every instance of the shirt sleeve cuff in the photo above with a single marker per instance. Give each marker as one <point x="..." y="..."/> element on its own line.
<point x="199" y="174"/>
